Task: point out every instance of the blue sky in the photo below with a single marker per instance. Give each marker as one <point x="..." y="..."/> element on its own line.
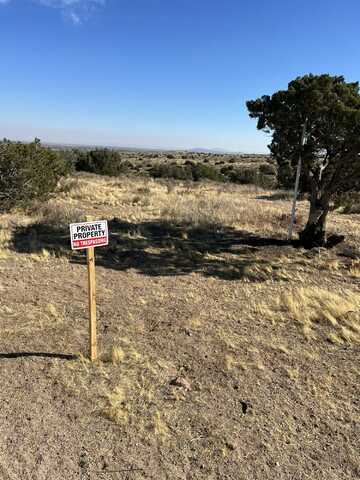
<point x="156" y="73"/>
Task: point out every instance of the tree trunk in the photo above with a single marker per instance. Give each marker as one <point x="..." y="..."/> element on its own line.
<point x="314" y="234"/>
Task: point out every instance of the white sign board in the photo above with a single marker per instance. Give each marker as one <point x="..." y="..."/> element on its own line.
<point x="89" y="234"/>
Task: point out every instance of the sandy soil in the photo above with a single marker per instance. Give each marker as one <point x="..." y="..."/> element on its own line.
<point x="216" y="362"/>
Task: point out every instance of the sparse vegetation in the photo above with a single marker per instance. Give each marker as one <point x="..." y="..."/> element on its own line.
<point x="205" y="313"/>
<point x="28" y="172"/>
<point x="259" y="170"/>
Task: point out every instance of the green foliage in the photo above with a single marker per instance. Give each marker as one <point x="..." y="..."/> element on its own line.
<point x="330" y="109"/>
<point x="188" y="171"/>
<point x="102" y="161"/>
<point x="69" y="156"/>
<point x="267" y="169"/>
<point x="201" y="171"/>
<point x="28" y="171"/>
<point x="246" y="176"/>
<point x="327" y="110"/>
<point x="171" y="170"/>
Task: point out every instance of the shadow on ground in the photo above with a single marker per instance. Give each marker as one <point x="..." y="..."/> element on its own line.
<point x="161" y="248"/>
<point x="60" y="356"/>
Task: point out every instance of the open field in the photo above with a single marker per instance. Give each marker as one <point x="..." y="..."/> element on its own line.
<point x="225" y="352"/>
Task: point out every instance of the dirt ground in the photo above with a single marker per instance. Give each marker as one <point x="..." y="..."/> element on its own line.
<point x="225" y="352"/>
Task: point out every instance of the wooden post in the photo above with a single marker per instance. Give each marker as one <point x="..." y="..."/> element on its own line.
<point x="297" y="181"/>
<point x="90" y="256"/>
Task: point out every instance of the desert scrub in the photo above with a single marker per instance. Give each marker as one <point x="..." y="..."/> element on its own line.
<point x="28" y="172"/>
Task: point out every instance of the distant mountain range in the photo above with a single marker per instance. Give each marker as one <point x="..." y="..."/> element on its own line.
<point x="215" y="151"/>
<point x="211" y="150"/>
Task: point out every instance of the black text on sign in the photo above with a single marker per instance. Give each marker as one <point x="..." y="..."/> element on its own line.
<point x="89" y="234"/>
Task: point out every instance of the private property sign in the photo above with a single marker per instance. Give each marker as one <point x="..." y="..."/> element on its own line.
<point x="89" y="234"/>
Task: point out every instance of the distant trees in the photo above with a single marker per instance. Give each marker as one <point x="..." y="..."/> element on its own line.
<point x="28" y="171"/>
<point x="188" y="171"/>
<point x="102" y="161"/>
<point x="328" y="109"/>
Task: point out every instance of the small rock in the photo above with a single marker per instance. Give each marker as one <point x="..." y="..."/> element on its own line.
<point x="181" y="382"/>
<point x="231" y="445"/>
<point x="245" y="406"/>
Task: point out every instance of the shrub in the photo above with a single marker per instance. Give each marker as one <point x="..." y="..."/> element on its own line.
<point x="243" y="176"/>
<point x="251" y="176"/>
<point x="188" y="171"/>
<point x="102" y="161"/>
<point x="200" y="171"/>
<point x="226" y="169"/>
<point x="28" y="171"/>
<point x="171" y="170"/>
<point x="267" y="169"/>
<point x="348" y="202"/>
<point x="69" y="156"/>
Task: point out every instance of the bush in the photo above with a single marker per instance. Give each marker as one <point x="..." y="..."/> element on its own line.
<point x="243" y="176"/>
<point x="188" y="171"/>
<point x="28" y="171"/>
<point x="267" y="169"/>
<point x="69" y="156"/>
<point x="171" y="170"/>
<point x="200" y="171"/>
<point x="251" y="176"/>
<point x="348" y="202"/>
<point x="102" y="161"/>
<point x="226" y="169"/>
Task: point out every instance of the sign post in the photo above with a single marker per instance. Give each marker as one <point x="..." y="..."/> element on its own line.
<point x="88" y="235"/>
<point x="90" y="257"/>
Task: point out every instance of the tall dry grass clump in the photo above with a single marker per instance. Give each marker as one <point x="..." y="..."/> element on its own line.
<point x="336" y="315"/>
<point x="57" y="213"/>
<point x="235" y="207"/>
<point x="5" y="240"/>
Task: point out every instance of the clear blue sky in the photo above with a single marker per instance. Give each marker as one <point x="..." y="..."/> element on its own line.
<point x="165" y="73"/>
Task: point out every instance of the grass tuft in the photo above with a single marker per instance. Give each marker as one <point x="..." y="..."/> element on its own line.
<point x="317" y="309"/>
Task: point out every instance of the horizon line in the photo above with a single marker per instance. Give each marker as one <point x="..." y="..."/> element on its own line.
<point x="215" y="150"/>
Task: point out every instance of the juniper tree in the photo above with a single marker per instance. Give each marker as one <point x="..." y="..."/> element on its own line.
<point x="28" y="171"/>
<point x="329" y="108"/>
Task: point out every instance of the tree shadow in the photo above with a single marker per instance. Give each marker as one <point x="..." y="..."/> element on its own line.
<point x="61" y="356"/>
<point x="162" y="248"/>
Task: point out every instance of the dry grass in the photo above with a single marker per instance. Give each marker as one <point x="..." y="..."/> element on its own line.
<point x="7" y="223"/>
<point x="238" y="340"/>
<point x="317" y="309"/>
<point x="131" y="398"/>
<point x="196" y="204"/>
<point x="57" y="213"/>
<point x="235" y="208"/>
<point x="117" y="355"/>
